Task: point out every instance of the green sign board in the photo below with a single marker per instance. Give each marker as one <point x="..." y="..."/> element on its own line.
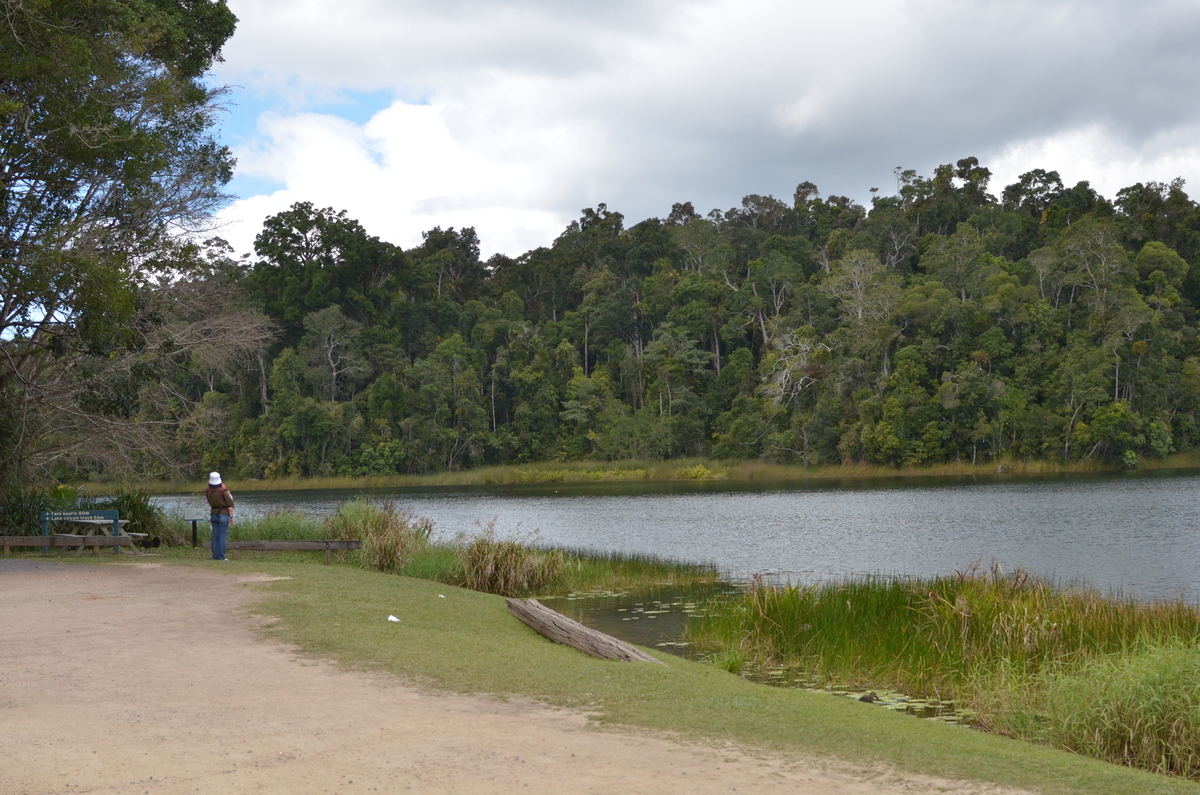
<point x="89" y="517"/>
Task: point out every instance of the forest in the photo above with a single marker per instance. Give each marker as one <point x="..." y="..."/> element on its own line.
<point x="949" y="321"/>
<point x="943" y="323"/>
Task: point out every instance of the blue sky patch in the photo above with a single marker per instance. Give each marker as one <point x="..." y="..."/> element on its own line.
<point x="238" y="126"/>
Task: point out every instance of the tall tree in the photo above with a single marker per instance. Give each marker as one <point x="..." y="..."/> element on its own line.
<point x="310" y="259"/>
<point x="105" y="157"/>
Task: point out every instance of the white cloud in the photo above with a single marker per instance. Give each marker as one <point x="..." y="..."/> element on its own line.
<point x="400" y="174"/>
<point x="1109" y="162"/>
<point x="538" y="108"/>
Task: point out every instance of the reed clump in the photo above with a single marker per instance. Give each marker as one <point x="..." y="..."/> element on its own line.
<point x="582" y="570"/>
<point x="1139" y="707"/>
<point x="507" y="566"/>
<point x="933" y="637"/>
<point x="20" y="510"/>
<point x="1101" y="675"/>
<point x="390" y="536"/>
<point x="586" y="571"/>
<point x="1141" y="710"/>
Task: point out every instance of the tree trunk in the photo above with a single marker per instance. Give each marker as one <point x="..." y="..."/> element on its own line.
<point x="716" y="347"/>
<point x="262" y="383"/>
<point x="561" y="629"/>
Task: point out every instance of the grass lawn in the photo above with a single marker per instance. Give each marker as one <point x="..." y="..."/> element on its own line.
<point x="468" y="643"/>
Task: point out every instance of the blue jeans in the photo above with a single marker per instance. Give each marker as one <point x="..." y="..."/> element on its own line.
<point x="220" y="533"/>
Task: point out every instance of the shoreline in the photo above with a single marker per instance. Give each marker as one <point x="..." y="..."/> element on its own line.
<point x="691" y="470"/>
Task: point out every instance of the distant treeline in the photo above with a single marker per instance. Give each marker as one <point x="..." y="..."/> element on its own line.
<point x="943" y="323"/>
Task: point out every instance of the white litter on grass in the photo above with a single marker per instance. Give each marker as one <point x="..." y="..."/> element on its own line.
<point x="393" y="618"/>
<point x="441" y="597"/>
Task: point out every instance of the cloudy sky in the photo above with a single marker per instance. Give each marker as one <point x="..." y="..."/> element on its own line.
<point x="512" y="115"/>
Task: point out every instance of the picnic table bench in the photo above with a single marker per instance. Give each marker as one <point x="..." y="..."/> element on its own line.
<point x="62" y="540"/>
<point x="330" y="546"/>
<point x="90" y="528"/>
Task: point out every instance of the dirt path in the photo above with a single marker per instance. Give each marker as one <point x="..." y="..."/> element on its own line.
<point x="146" y="678"/>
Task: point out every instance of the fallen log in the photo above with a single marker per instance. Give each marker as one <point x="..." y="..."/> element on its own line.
<point x="561" y="629"/>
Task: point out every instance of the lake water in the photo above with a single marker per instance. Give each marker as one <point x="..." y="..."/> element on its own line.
<point x="1137" y="533"/>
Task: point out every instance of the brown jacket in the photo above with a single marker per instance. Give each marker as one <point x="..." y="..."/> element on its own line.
<point x="219" y="499"/>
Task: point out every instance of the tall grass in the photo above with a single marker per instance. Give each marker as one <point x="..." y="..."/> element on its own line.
<point x="1102" y="675"/>
<point x="507" y="566"/>
<point x="583" y="571"/>
<point x="586" y="570"/>
<point x="1139" y="708"/>
<point x="277" y="525"/>
<point x="518" y="566"/>
<point x="390" y="536"/>
<point x="933" y="637"/>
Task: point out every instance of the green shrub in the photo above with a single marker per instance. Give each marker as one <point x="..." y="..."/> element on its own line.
<point x="699" y="472"/>
<point x="509" y="567"/>
<point x="20" y="509"/>
<point x="63" y="498"/>
<point x="143" y="516"/>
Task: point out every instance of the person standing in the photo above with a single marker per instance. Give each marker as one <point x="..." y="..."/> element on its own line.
<point x="220" y="502"/>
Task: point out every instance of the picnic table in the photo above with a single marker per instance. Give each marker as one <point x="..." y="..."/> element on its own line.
<point x="100" y="527"/>
<point x="89" y="524"/>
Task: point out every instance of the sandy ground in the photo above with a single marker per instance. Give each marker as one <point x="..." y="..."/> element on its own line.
<point x="142" y="678"/>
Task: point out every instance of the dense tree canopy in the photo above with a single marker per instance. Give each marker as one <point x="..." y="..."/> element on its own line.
<point x="106" y="161"/>
<point x="943" y="323"/>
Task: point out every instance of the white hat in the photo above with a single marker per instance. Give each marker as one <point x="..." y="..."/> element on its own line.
<point x="214" y="478"/>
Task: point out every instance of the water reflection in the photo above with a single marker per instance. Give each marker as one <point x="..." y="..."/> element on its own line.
<point x="655" y="618"/>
